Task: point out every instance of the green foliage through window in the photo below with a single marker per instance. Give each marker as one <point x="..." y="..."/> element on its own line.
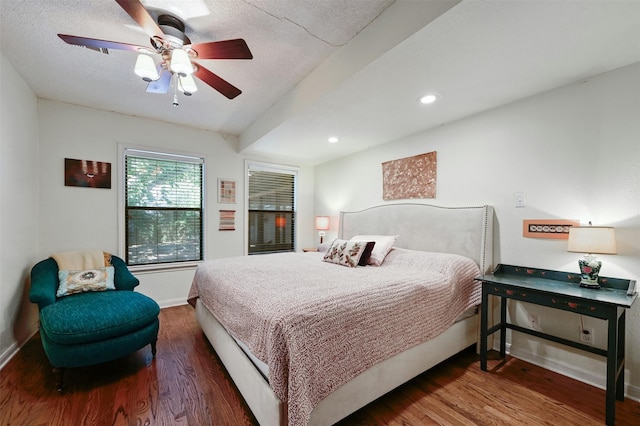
<point x="163" y="208"/>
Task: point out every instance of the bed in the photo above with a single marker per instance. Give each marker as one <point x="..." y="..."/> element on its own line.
<point x="266" y="359"/>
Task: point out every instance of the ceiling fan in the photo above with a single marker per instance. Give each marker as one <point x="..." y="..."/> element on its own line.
<point x="177" y="53"/>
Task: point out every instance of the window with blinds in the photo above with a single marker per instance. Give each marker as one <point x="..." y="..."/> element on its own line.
<point x="163" y="208"/>
<point x="271" y="208"/>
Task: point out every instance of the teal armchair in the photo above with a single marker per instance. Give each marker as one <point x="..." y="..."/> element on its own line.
<point x="94" y="327"/>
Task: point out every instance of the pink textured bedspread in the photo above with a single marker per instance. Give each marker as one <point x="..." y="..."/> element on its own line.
<point x="318" y="325"/>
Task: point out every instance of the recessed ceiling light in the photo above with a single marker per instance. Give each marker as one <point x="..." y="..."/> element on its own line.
<point x="333" y="139"/>
<point x="429" y="98"/>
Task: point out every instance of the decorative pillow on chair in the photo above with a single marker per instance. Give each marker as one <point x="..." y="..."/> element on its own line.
<point x="345" y="253"/>
<point x="98" y="279"/>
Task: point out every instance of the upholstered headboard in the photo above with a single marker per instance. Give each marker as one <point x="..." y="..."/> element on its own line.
<point x="467" y="231"/>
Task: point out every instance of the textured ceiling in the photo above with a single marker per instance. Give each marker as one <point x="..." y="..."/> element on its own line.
<point x="288" y="39"/>
<point x="350" y="68"/>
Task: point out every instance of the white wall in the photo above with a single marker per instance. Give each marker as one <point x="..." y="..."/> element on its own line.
<point x="574" y="151"/>
<point x="72" y="218"/>
<point x="18" y="208"/>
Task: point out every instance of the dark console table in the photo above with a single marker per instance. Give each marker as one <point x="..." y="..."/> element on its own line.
<point x="561" y="290"/>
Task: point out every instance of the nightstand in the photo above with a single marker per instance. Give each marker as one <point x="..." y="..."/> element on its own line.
<point x="561" y="290"/>
<point x="310" y="249"/>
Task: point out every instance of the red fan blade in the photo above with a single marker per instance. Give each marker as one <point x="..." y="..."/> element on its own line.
<point x="222" y="86"/>
<point x="94" y="43"/>
<point x="225" y="49"/>
<point x="139" y="14"/>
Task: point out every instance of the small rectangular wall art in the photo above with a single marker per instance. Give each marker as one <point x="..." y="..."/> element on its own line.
<point x="548" y="228"/>
<point x="86" y="173"/>
<point x="227" y="220"/>
<point x="227" y="191"/>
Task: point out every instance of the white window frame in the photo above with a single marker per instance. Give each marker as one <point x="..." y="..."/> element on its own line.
<point x="148" y="150"/>
<point x="274" y="168"/>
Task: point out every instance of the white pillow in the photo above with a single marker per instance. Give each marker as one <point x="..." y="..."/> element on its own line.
<point x="322" y="248"/>
<point x="382" y="247"/>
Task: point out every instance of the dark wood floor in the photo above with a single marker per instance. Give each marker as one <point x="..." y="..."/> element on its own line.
<point x="186" y="385"/>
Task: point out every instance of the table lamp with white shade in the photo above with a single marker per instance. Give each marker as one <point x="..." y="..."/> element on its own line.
<point x="591" y="240"/>
<point x="322" y="225"/>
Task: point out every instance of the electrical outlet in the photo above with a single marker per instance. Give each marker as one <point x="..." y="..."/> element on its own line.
<point x="586" y="336"/>
<point x="534" y="322"/>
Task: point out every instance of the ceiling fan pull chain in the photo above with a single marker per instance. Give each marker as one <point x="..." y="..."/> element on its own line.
<point x="175" y="90"/>
<point x="179" y="84"/>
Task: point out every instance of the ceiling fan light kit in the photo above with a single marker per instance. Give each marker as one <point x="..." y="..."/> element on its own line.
<point x="180" y="63"/>
<point x="168" y="38"/>
<point x="187" y="85"/>
<point x="146" y="68"/>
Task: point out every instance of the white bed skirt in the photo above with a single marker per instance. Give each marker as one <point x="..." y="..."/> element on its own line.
<point x="353" y="395"/>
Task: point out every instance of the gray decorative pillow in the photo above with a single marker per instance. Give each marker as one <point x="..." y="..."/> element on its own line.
<point x="345" y="253"/>
<point x="98" y="279"/>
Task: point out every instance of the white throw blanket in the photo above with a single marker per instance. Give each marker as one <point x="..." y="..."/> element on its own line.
<point x="80" y="260"/>
<point x="318" y="325"/>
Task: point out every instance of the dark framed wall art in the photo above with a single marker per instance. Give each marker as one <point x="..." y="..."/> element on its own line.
<point x="86" y="173"/>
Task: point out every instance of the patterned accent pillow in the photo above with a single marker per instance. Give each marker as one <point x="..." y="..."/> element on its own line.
<point x="345" y="253"/>
<point x="98" y="279"/>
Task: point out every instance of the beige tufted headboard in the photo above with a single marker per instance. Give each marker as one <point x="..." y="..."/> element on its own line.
<point x="467" y="231"/>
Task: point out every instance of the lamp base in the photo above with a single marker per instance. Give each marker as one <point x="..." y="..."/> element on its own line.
<point x="589" y="270"/>
<point x="589" y="284"/>
<point x="322" y="234"/>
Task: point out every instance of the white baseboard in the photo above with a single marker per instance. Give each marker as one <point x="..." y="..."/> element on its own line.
<point x="588" y="377"/>
<point x="8" y="354"/>
<point x="15" y="347"/>
<point x="173" y="302"/>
